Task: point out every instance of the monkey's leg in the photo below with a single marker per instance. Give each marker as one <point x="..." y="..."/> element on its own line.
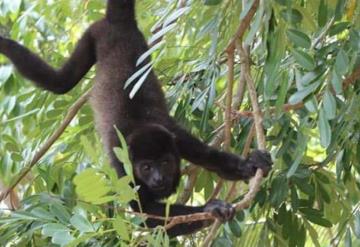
<point x="37" y="70"/>
<point x="221" y="210"/>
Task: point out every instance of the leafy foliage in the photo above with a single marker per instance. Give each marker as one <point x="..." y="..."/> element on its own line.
<point x="301" y="52"/>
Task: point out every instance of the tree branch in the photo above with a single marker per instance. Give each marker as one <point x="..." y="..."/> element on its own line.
<point x="245" y="23"/>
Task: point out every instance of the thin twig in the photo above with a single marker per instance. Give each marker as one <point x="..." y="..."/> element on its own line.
<point x="245" y="153"/>
<point x="355" y="75"/>
<point x="47" y="145"/>
<point x="229" y="97"/>
<point x="258" y="118"/>
<point x="227" y="131"/>
<point x="245" y="23"/>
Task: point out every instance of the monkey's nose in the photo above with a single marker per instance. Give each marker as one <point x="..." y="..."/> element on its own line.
<point x="159" y="182"/>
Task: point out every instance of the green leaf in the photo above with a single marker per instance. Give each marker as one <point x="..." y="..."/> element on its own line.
<point x="329" y="105"/>
<point x="303" y="93"/>
<point x="318" y="220"/>
<point x="235" y="228"/>
<point x="302" y="143"/>
<point x="341" y="63"/>
<point x="89" y="148"/>
<point x="212" y="2"/>
<point x="357" y="225"/>
<point x="313" y="233"/>
<point x="304" y="59"/>
<point x="336" y="81"/>
<point x="176" y="15"/>
<point x="338" y="28"/>
<point x="291" y="15"/>
<point x="240" y="216"/>
<point x="324" y="128"/>
<point x="14" y="5"/>
<point x="121" y="228"/>
<point x="60" y="212"/>
<point x="299" y="38"/>
<point x="16" y="157"/>
<point x="50" y="229"/>
<point x="42" y="214"/>
<point x="81" y="223"/>
<point x="279" y="191"/>
<point x="62" y="238"/>
<point x="322" y="13"/>
<point x="91" y="186"/>
<point x="123" y="154"/>
<point x="124" y="191"/>
<point x="348" y="240"/>
<point x="81" y="239"/>
<point x="221" y="242"/>
<point x="5" y="73"/>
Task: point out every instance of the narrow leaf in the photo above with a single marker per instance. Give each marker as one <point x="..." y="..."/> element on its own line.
<point x="304" y="59"/>
<point x="299" y="38"/>
<point x="329" y="105"/>
<point x="324" y="128"/>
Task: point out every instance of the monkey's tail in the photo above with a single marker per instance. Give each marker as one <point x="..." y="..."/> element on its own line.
<point x="120" y="10"/>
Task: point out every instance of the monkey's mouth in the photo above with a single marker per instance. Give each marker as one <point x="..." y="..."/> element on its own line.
<point x="159" y="188"/>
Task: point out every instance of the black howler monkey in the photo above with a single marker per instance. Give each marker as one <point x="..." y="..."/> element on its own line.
<point x="156" y="142"/>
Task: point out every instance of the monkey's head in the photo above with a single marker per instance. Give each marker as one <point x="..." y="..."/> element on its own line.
<point x="155" y="159"/>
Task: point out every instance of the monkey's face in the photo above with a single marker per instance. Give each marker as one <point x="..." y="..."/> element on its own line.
<point x="155" y="159"/>
<point x="158" y="174"/>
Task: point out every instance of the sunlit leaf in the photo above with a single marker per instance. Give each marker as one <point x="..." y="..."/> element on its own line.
<point x="121" y="228"/>
<point x="91" y="186"/>
<point x="81" y="223"/>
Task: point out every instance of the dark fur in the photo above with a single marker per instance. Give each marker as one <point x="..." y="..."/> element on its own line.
<point x="114" y="44"/>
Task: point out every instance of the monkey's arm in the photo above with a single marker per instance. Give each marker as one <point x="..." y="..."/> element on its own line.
<point x="34" y="68"/>
<point x="221" y="210"/>
<point x="226" y="165"/>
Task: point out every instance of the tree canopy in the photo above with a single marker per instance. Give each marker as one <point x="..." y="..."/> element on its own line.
<point x="297" y="60"/>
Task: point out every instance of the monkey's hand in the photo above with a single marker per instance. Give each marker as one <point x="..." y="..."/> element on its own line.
<point x="223" y="211"/>
<point x="236" y="168"/>
<point x="260" y="159"/>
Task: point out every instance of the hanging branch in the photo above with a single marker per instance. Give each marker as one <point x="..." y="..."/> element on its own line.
<point x="47" y="145"/>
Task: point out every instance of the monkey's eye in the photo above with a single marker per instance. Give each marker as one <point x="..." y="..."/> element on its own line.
<point x="146" y="167"/>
